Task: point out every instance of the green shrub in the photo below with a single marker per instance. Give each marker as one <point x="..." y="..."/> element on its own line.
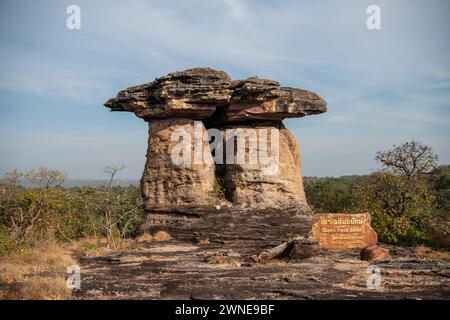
<point x="7" y="240"/>
<point x="219" y="191"/>
<point x="401" y="208"/>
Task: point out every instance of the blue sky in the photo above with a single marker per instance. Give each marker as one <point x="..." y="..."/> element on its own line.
<point x="382" y="87"/>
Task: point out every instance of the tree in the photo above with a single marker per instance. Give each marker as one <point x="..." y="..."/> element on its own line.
<point x="410" y="158"/>
<point x="111" y="172"/>
<point x="440" y="181"/>
<point x="398" y="197"/>
<point x="400" y="212"/>
<point x="28" y="212"/>
<point x="46" y="178"/>
<point x="116" y="211"/>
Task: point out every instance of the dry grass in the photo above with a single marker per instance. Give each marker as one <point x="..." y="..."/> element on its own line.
<point x="39" y="272"/>
<point x="424" y="252"/>
<point x="92" y="247"/>
<point x="160" y="235"/>
<point x="35" y="273"/>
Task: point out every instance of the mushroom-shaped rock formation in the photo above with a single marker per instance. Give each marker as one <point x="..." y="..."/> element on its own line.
<point x="205" y="108"/>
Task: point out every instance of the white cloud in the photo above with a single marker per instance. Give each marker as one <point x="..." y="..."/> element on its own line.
<point x="236" y="7"/>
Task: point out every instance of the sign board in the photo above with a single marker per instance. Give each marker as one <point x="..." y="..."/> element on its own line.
<point x="343" y="231"/>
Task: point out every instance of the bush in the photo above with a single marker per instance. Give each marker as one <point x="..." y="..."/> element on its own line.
<point x="53" y="213"/>
<point x="401" y="209"/>
<point x="7" y="240"/>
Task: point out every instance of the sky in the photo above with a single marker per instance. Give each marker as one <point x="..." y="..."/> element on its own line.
<point x="383" y="87"/>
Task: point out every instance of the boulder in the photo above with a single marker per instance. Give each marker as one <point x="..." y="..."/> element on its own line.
<point x="374" y="253"/>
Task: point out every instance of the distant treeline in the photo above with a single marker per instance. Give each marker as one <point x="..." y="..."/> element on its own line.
<point x="77" y="183"/>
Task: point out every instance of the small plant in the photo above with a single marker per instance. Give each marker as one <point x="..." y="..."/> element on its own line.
<point x="89" y="246"/>
<point x="219" y="191"/>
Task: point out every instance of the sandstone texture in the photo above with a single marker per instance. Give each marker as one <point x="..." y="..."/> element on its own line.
<point x="265" y="100"/>
<point x="192" y="94"/>
<point x="197" y="93"/>
<point x="220" y="269"/>
<point x="209" y="99"/>
<point x="374" y="253"/>
<point x="250" y="186"/>
<point x="167" y="186"/>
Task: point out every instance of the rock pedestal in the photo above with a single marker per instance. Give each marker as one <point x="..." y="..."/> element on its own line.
<point x="168" y="186"/>
<point x="267" y="184"/>
<point x="203" y="105"/>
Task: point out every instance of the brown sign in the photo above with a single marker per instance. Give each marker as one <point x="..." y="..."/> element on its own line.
<point x="344" y="231"/>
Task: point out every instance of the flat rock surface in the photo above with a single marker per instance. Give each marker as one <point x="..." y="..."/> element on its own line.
<point x="195" y="265"/>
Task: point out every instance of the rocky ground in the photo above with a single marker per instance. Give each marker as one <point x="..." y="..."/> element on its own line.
<point x="216" y="264"/>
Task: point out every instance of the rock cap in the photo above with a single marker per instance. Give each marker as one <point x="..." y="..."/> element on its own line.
<point x="197" y="93"/>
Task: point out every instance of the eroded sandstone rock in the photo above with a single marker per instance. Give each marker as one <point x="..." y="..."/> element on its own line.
<point x="168" y="186"/>
<point x="192" y="94"/>
<point x="266" y="184"/>
<point x="374" y="253"/>
<point x="174" y="101"/>
<point x="196" y="93"/>
<point x="260" y="99"/>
